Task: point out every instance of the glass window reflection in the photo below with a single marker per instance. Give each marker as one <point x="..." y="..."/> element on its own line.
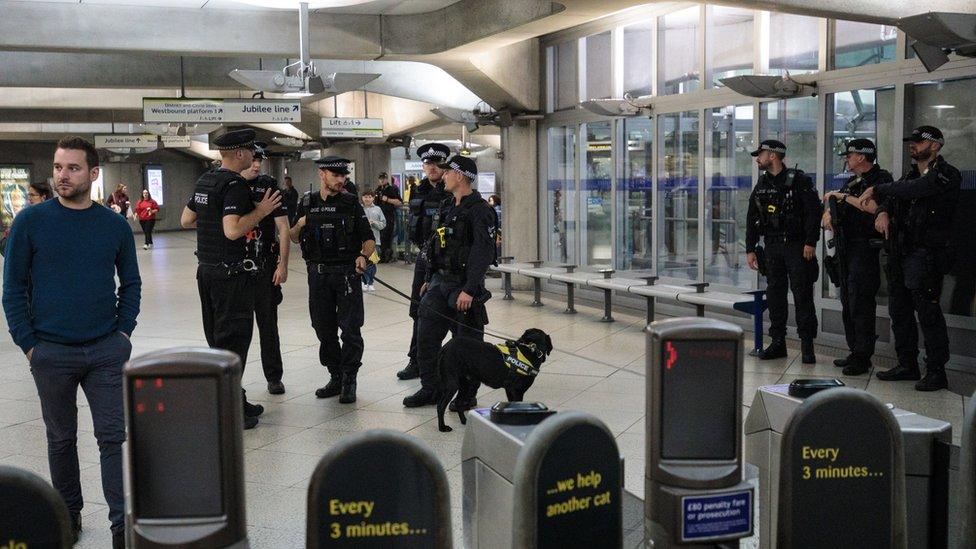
<point x="677" y="189"/>
<point x="858" y="44"/>
<point x="597" y="204"/>
<point x="794" y="43"/>
<point x="599" y="66"/>
<point x="561" y="195"/>
<point x="729" y="48"/>
<point x="794" y="122"/>
<point x="678" y="52"/>
<point x="564" y="67"/>
<point x="638" y="39"/>
<point x="634" y="195"/>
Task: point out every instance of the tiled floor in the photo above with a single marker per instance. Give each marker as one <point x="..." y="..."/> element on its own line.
<point x="297" y="428"/>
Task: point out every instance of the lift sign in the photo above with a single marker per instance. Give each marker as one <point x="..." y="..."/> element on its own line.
<point x="716" y="516"/>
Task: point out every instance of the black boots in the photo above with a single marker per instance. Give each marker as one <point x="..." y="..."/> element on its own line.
<point x="806" y="351"/>
<point x="348" y="392"/>
<point x="331" y="389"/>
<point x="464" y="404"/>
<point x="276" y="388"/>
<point x="841" y="362"/>
<point x="902" y="372"/>
<point x="856" y="366"/>
<point x="423" y="397"/>
<point x="410" y="372"/>
<point x="935" y="379"/>
<point x="251" y="413"/>
<point x="776" y="349"/>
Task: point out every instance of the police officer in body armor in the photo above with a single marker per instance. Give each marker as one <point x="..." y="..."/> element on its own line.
<point x="223" y="213"/>
<point x="916" y="214"/>
<point x="336" y="243"/>
<point x="269" y="244"/>
<point x="785" y="210"/>
<point x="862" y="266"/>
<point x="425" y="204"/>
<point x="459" y="253"/>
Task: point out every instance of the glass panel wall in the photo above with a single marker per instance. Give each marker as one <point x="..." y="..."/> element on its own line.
<point x="598" y="72"/>
<point x="728" y="183"/>
<point x="560" y="203"/>
<point x="638" y="39"/>
<point x="634" y="193"/>
<point x="794" y="122"/>
<point x="729" y="46"/>
<point x="794" y="43"/>
<point x="949" y="106"/>
<point x="596" y="206"/>
<point x="857" y="44"/>
<point x="677" y="52"/>
<point x="562" y="60"/>
<point x="677" y="200"/>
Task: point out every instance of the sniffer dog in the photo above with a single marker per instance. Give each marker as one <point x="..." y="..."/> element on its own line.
<point x="466" y="362"/>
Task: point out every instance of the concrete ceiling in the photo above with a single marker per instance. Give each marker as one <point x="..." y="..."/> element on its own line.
<point x="374" y="7"/>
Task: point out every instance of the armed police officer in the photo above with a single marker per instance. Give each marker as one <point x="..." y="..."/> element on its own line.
<point x="459" y="253"/>
<point x="916" y="215"/>
<point x="223" y="213"/>
<point x="785" y="210"/>
<point x="857" y="271"/>
<point x="336" y="242"/>
<point x="269" y="245"/>
<point x="425" y="204"/>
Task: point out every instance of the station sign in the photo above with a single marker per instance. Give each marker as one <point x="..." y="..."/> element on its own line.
<point x="352" y="127"/>
<point x="147" y="141"/>
<point x="175" y="141"/>
<point x="227" y="111"/>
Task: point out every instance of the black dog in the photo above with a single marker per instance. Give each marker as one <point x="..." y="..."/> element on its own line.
<point x="465" y="362"/>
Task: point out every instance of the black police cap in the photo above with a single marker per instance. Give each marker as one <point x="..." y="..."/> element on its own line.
<point x="433" y="153"/>
<point x="463" y="165"/>
<point x="235" y="139"/>
<point x="860" y="146"/>
<point x="335" y="164"/>
<point x="770" y="145"/>
<point x="922" y="133"/>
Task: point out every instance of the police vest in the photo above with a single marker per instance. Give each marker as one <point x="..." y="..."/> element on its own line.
<point x="329" y="235"/>
<point x="451" y="242"/>
<point x="930" y="219"/>
<point x="262" y="240"/>
<point x="515" y="360"/>
<point x="780" y="208"/>
<point x="213" y="247"/>
<point x="858" y="224"/>
<point x="425" y="214"/>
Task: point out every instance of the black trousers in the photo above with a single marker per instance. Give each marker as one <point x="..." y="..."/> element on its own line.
<point x="786" y="268"/>
<point x="147" y="229"/>
<point x="388" y="245"/>
<point x="915" y="288"/>
<point x="227" y="303"/>
<point x="858" y="298"/>
<point x="438" y="303"/>
<point x="335" y="303"/>
<point x="267" y="297"/>
<point x="419" y="273"/>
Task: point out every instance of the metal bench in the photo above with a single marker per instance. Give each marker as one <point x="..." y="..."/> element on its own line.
<point x="751" y="302"/>
<point x="652" y="291"/>
<point x="538" y="273"/>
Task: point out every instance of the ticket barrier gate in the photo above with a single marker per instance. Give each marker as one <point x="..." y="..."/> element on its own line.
<point x="558" y="483"/>
<point x="32" y="513"/>
<point x="184" y="420"/>
<point x="967" y="479"/>
<point x="926" y="443"/>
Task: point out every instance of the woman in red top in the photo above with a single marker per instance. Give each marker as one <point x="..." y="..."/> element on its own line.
<point x="146" y="210"/>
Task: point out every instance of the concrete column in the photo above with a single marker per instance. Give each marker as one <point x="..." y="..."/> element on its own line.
<point x="520" y="195"/>
<point x="276" y="169"/>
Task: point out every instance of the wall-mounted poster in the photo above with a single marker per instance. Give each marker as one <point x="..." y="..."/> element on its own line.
<point x="397" y="180"/>
<point x="13" y="191"/>
<point x="154" y="182"/>
<point x="486" y="184"/>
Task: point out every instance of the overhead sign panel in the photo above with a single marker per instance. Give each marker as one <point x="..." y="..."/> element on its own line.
<point x="147" y="141"/>
<point x="352" y="127"/>
<point x="175" y="141"/>
<point x="235" y="111"/>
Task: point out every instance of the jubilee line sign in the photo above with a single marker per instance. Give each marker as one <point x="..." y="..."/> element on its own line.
<point x="234" y="111"/>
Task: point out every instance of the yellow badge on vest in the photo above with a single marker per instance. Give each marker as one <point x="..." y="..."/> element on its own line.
<point x="516" y="360"/>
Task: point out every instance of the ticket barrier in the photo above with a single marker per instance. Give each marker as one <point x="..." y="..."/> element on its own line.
<point x="697" y="494"/>
<point x="32" y="513"/>
<point x="926" y="444"/>
<point x="379" y="489"/>
<point x="184" y="420"/>
<point x="558" y="483"/>
<point x="967" y="479"/>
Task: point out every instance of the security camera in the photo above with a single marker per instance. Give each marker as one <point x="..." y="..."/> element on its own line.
<point x="768" y="86"/>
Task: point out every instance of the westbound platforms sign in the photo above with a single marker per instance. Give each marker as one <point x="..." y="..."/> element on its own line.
<point x="352" y="127"/>
<point x="234" y="111"/>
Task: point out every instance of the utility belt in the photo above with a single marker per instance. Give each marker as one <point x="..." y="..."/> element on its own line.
<point x="782" y="238"/>
<point x="248" y="266"/>
<point x="448" y="276"/>
<point x="327" y="268"/>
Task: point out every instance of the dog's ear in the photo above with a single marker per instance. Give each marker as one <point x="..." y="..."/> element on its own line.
<point x="548" y="345"/>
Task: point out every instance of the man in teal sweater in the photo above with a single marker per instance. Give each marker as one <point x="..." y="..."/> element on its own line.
<point x="64" y="311"/>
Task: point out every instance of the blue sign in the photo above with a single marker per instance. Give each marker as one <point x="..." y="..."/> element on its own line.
<point x="716" y="516"/>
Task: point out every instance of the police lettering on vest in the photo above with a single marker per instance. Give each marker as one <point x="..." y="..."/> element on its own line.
<point x="261" y="241"/>
<point x="333" y="232"/>
<point x="451" y="242"/>
<point x="213" y="247"/>
<point x="516" y="360"/>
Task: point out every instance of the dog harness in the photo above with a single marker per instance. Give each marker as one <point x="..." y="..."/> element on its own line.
<point x="515" y="360"/>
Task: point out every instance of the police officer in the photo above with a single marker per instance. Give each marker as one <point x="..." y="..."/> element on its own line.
<point x="863" y="269"/>
<point x="785" y="210"/>
<point x="916" y="215"/>
<point x="459" y="253"/>
<point x="425" y="202"/>
<point x="223" y="213"/>
<point x="336" y="243"/>
<point x="388" y="199"/>
<point x="289" y="199"/>
<point x="269" y="244"/>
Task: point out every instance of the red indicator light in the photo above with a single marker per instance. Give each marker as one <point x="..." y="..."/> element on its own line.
<point x="138" y="384"/>
<point x="159" y="383"/>
<point x="140" y="408"/>
<point x="672" y="355"/>
<point x="159" y="407"/>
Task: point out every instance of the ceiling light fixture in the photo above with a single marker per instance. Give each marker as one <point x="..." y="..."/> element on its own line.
<point x="295" y="4"/>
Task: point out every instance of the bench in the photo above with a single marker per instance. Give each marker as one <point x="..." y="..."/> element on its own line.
<point x="752" y="302"/>
<point x="650" y="290"/>
<point x="507" y="268"/>
<point x="538" y="273"/>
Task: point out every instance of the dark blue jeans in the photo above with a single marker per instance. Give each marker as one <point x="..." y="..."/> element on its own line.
<point x="97" y="366"/>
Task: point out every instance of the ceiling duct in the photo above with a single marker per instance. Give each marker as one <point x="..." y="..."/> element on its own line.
<point x="937" y="34"/>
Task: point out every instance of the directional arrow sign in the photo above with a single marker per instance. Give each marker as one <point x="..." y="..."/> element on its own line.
<point x="235" y="111"/>
<point x="352" y="127"/>
<point x="126" y="141"/>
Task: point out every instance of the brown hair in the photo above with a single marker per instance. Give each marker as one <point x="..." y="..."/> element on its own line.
<point x="74" y="143"/>
<point x="369" y="193"/>
<point x="43" y="189"/>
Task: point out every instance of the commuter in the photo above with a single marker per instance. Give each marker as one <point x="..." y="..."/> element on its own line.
<point x="377" y="222"/>
<point x="916" y="215"/>
<point x="289" y="199"/>
<point x="119" y="201"/>
<point x="223" y="214"/>
<point x="146" y="210"/>
<point x="336" y="243"/>
<point x="425" y="201"/>
<point x="269" y="244"/>
<point x="409" y="188"/>
<point x="65" y="312"/>
<point x="36" y="193"/>
<point x="461" y="248"/>
<point x="862" y="269"/>
<point x="785" y="210"/>
<point x="388" y="198"/>
<point x="495" y="202"/>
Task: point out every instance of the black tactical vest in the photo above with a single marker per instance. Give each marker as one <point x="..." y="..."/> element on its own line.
<point x="930" y="219"/>
<point x="329" y="235"/>
<point x="780" y="207"/>
<point x="213" y="248"/>
<point x="452" y="240"/>
<point x="858" y="224"/>
<point x="425" y="206"/>
<point x="262" y="241"/>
